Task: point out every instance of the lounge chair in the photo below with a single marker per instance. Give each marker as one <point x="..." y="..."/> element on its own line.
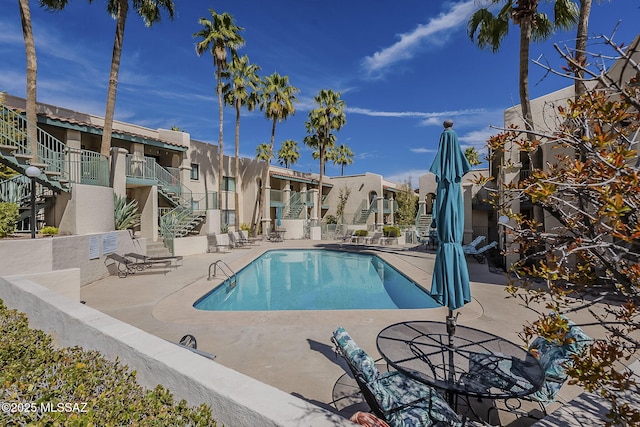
<point x="375" y="238"/>
<point x="150" y="260"/>
<point x="235" y="240"/>
<point x="348" y="235"/>
<point x="392" y="396"/>
<point x="127" y="266"/>
<point x="222" y="242"/>
<point x="250" y="240"/>
<point x="478" y="254"/>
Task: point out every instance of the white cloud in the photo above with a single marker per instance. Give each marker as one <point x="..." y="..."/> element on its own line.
<point x="405" y="176"/>
<point x="422" y="150"/>
<point x="430" y="118"/>
<point x="409" y="43"/>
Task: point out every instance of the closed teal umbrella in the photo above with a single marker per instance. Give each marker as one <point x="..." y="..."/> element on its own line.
<point x="450" y="284"/>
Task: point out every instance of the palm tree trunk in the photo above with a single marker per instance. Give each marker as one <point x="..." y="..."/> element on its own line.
<point x="220" y="133"/>
<point x="237" y="166"/>
<point x="536" y="160"/>
<point x="265" y="176"/>
<point x="105" y="146"/>
<point x="581" y="45"/>
<point x="32" y="72"/>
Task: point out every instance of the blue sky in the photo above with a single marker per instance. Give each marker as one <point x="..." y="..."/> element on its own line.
<point x="402" y="68"/>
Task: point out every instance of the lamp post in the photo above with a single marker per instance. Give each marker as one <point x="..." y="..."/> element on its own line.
<point x="33" y="172"/>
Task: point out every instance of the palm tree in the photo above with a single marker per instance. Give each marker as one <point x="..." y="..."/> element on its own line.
<point x="342" y="156"/>
<point x="277" y="97"/>
<point x="149" y="11"/>
<point x="264" y="153"/>
<point x="489" y="30"/>
<point x="288" y="153"/>
<point x="312" y="141"/>
<point x="328" y="116"/>
<point x="32" y="71"/>
<point x="240" y="91"/>
<point x="472" y="156"/>
<point x="219" y="34"/>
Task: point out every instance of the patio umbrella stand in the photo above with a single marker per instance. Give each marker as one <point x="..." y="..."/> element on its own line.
<point x="450" y="283"/>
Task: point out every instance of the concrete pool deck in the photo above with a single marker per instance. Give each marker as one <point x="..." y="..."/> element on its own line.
<point x="291" y="350"/>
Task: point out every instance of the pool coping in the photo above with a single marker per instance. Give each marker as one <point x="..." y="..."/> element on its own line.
<point x="178" y="307"/>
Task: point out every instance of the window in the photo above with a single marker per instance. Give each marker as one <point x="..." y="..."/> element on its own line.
<point x="229" y="217"/>
<point x="195" y="171"/>
<point x="228" y="183"/>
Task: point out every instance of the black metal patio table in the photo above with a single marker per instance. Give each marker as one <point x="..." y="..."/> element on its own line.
<point x="476" y="363"/>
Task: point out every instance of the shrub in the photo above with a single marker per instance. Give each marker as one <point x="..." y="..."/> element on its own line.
<point x="102" y="392"/>
<point x="49" y="230"/>
<point x="330" y="219"/>
<point x="391" y="231"/>
<point x="126" y="214"/>
<point x="361" y="233"/>
<point x="8" y="216"/>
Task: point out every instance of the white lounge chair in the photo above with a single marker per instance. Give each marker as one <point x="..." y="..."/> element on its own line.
<point x="478" y="253"/>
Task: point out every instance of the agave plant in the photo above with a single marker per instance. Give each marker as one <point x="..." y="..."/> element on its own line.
<point x="126" y="214"/>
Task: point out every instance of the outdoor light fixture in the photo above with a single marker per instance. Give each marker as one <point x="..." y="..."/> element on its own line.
<point x="33" y="172"/>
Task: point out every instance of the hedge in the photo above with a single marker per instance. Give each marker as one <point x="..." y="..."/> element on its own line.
<point x="44" y="386"/>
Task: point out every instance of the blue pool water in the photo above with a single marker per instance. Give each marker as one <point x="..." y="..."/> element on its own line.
<point x="316" y="280"/>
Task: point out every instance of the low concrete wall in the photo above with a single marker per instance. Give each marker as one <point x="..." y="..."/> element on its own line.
<point x="235" y="399"/>
<point x="192" y="245"/>
<point x="85" y="252"/>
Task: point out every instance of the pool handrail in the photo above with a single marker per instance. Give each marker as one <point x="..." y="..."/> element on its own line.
<point x="230" y="274"/>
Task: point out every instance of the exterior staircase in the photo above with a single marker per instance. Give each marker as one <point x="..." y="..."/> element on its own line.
<point x="180" y="221"/>
<point x="60" y="166"/>
<point x="363" y="212"/>
<point x="423" y="224"/>
<point x="294" y="208"/>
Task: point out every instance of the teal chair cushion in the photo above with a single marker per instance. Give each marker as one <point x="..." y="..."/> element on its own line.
<point x="357" y="357"/>
<point x="554" y="359"/>
<point x="424" y="406"/>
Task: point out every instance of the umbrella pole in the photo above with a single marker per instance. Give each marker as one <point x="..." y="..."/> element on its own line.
<point x="451" y="331"/>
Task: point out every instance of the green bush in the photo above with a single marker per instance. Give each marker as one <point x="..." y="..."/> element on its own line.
<point x="391" y="231"/>
<point x="330" y="219"/>
<point x="361" y="233"/>
<point x="101" y="392"/>
<point x="49" y="230"/>
<point x="8" y="216"/>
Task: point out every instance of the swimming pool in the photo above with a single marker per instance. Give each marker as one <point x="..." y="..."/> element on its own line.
<point x="316" y="279"/>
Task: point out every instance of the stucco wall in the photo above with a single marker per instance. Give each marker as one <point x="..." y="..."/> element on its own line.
<point x="235" y="399"/>
<point x="37" y="255"/>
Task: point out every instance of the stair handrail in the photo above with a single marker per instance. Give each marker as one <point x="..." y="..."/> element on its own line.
<point x="15" y="189"/>
<point x="294" y="206"/>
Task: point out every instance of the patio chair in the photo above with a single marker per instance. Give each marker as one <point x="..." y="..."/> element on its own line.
<point x="392" y="396"/>
<point x="554" y="357"/>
